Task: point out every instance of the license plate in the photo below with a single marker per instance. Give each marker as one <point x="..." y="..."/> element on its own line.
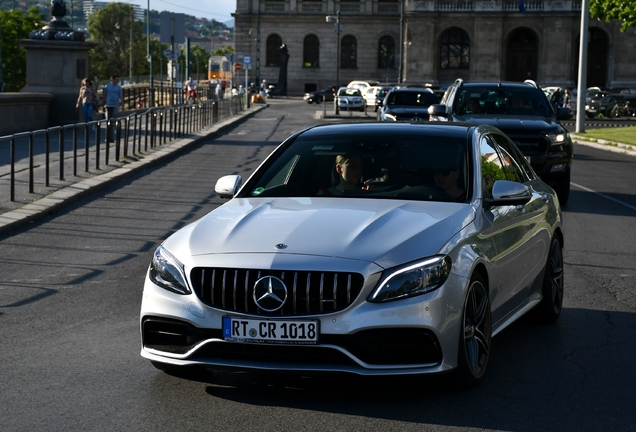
<point x="296" y="332"/>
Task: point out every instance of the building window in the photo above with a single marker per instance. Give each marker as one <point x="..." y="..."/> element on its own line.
<point x="349" y="53"/>
<point x="386" y="53"/>
<point x="455" y="49"/>
<point x="274" y="43"/>
<point x="311" y="52"/>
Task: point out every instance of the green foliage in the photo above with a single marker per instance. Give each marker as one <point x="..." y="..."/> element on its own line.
<point x="16" y="25"/>
<point x="223" y="51"/>
<point x="623" y="11"/>
<point x="110" y="29"/>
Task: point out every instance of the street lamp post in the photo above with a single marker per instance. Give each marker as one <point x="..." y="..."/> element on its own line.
<point x="336" y="18"/>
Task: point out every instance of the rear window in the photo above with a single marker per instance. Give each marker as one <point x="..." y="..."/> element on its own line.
<point x="411" y="98"/>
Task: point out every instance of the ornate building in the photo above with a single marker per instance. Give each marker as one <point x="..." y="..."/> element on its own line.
<point x="442" y="40"/>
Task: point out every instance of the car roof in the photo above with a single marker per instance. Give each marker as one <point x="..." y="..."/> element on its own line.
<point x="501" y="84"/>
<point x="411" y="89"/>
<point x="452" y="130"/>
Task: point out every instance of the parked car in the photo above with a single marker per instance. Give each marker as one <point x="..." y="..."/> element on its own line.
<point x="405" y="276"/>
<point x="350" y="99"/>
<point x="373" y="93"/>
<point x="406" y="104"/>
<point x="363" y="85"/>
<point x="533" y="126"/>
<point x="381" y="96"/>
<point x="325" y="94"/>
<point x="604" y="107"/>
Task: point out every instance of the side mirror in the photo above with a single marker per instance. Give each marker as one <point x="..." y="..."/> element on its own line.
<point x="227" y="186"/>
<point x="437" y="110"/>
<point x="509" y="193"/>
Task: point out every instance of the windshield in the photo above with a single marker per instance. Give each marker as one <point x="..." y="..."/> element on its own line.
<point x="396" y="167"/>
<point x="349" y="92"/>
<point x="502" y="101"/>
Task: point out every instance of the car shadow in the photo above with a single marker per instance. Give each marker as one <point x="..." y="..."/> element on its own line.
<point x="576" y="375"/>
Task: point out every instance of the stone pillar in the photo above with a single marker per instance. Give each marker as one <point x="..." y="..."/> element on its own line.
<point x="57" y="67"/>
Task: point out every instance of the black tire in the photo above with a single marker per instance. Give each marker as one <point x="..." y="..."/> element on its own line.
<point x="549" y="309"/>
<point x="475" y="335"/>
<point x="318" y="99"/>
<point x="562" y="188"/>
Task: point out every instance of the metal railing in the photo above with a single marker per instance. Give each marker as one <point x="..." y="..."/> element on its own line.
<point x="89" y="146"/>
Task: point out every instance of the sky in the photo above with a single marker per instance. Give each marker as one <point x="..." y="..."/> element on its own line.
<point x="219" y="10"/>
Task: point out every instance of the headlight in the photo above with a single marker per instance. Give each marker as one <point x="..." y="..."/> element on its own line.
<point x="167" y="272"/>
<point x="558" y="138"/>
<point x="389" y="116"/>
<point x="414" y="279"/>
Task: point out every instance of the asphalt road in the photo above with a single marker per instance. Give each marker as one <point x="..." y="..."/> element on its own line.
<point x="71" y="286"/>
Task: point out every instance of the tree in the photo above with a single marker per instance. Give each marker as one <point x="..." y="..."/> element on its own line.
<point x="110" y="28"/>
<point x="16" y="25"/>
<point x="223" y="51"/>
<point x="614" y="10"/>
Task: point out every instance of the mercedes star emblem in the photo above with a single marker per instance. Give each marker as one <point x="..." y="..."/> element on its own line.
<point x="270" y="293"/>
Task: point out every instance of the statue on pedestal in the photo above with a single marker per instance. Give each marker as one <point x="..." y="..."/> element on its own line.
<point x="57" y="28"/>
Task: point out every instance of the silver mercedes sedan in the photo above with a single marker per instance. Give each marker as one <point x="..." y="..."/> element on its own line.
<point x="372" y="249"/>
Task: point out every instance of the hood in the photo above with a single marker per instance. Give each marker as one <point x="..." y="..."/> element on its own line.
<point x="504" y="123"/>
<point x="382" y="231"/>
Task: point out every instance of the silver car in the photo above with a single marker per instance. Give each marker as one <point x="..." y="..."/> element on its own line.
<point x="350" y="99"/>
<point x="372" y="249"/>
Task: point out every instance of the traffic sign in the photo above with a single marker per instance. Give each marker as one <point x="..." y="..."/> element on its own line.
<point x="247" y="60"/>
<point x="172" y="55"/>
<point x="238" y="66"/>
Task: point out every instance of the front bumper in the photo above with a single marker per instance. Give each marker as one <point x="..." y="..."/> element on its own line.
<point x="418" y="335"/>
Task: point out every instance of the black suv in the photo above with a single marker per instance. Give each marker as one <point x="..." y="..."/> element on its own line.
<point x="406" y="104"/>
<point x="521" y="111"/>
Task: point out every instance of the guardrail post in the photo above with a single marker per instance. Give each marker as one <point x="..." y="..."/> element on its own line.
<point x="74" y="150"/>
<point x="87" y="139"/>
<point x="98" y="144"/>
<point x="31" y="161"/>
<point x="117" y="138"/>
<point x="61" y="150"/>
<point x="12" y="161"/>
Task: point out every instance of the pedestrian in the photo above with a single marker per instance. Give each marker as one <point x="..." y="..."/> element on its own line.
<point x="264" y="89"/>
<point x="556" y="100"/>
<point x="88" y="98"/>
<point x="567" y="98"/>
<point x="191" y="89"/>
<point x="113" y="95"/>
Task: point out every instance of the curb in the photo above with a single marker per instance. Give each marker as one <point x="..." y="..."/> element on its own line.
<point x="606" y="145"/>
<point x="53" y="202"/>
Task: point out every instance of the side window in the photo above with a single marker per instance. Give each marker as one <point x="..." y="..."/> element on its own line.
<point x="491" y="166"/>
<point x="511" y="166"/>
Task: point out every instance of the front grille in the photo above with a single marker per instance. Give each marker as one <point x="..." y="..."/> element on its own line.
<point x="307" y="292"/>
<point x="530" y="144"/>
<point x="274" y="354"/>
<point x="378" y="347"/>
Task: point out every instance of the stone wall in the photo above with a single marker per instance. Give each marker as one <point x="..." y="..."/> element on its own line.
<point x="21" y="112"/>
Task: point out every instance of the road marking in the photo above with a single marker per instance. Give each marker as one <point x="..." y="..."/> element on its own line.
<point x="604" y="196"/>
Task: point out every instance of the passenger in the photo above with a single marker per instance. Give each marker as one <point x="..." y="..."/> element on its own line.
<point x="519" y="107"/>
<point x="447" y="180"/>
<point x="349" y="168"/>
<point x="473" y="106"/>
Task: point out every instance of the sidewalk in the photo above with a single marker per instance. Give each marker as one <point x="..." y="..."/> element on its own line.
<point x="29" y="207"/>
